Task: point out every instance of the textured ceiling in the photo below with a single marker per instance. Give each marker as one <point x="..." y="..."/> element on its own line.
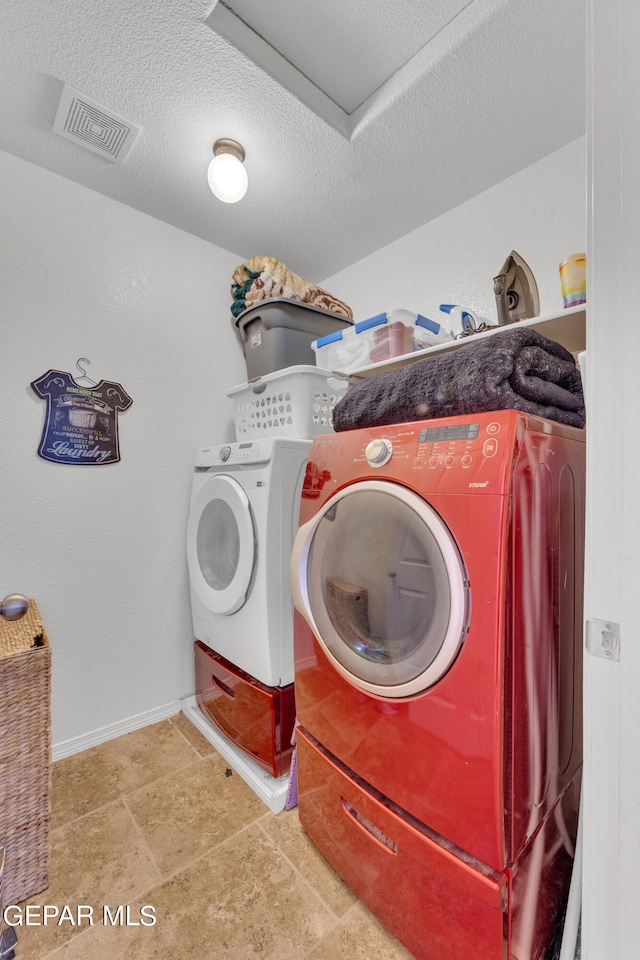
<point x="499" y="85"/>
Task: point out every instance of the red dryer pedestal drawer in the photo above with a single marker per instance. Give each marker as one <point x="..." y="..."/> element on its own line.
<point x="440" y="906"/>
<point x="257" y="718"/>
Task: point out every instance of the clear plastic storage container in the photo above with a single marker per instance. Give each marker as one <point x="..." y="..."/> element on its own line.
<point x="379" y="338"/>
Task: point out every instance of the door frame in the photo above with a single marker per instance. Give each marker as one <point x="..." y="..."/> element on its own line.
<point x="611" y="797"/>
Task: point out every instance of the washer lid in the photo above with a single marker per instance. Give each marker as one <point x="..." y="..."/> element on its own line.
<point x="379" y="579"/>
<point x="221" y="545"/>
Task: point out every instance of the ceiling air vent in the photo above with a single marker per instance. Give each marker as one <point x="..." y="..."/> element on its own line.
<point x="93" y="126"/>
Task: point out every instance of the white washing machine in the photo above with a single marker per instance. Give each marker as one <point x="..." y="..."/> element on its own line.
<point x="245" y="502"/>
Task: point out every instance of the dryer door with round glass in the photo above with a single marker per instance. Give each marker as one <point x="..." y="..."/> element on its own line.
<point x="221" y="546"/>
<point x="378" y="577"/>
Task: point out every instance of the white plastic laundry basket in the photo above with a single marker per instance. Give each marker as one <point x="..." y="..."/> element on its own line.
<point x="294" y="402"/>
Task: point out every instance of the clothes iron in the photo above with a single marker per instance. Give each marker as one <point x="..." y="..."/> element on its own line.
<point x="516" y="291"/>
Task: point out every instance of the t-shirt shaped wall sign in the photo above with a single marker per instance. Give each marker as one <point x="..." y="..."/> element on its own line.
<point x="81" y="424"/>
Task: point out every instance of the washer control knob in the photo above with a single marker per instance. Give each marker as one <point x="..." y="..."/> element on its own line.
<point x="225" y="453"/>
<point x="378" y="452"/>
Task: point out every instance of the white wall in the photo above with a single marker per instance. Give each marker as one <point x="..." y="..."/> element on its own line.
<point x="102" y="548"/>
<point x="540" y="212"/>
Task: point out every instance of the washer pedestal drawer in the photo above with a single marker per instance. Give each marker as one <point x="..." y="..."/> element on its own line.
<point x="440" y="906"/>
<point x="257" y="718"/>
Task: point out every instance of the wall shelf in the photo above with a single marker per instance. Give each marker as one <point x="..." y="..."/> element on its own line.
<point x="567" y="328"/>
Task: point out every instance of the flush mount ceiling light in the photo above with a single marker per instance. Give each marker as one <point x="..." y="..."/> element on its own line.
<point x="227" y="176"/>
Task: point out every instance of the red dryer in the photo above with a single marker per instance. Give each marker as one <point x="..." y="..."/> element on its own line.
<point x="437" y="579"/>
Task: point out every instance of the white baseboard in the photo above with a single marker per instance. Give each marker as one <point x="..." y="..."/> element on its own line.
<point x="68" y="747"/>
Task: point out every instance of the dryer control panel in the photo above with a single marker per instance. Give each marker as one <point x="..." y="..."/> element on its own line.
<point x="473" y="454"/>
<point x="456" y="446"/>
<point x="464" y="454"/>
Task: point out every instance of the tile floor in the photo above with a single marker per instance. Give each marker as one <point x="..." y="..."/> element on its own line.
<point x="153" y="818"/>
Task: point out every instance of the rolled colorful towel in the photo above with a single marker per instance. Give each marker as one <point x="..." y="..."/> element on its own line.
<point x="516" y="369"/>
<point x="262" y="278"/>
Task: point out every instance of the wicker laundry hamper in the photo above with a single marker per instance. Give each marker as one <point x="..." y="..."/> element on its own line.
<point x="25" y="755"/>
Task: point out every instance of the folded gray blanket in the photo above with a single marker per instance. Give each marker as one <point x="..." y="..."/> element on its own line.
<point x="516" y="369"/>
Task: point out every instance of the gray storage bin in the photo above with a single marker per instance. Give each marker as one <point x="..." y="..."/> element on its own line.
<point x="278" y="333"/>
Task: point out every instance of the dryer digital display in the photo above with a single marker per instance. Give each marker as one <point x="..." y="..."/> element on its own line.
<point x="465" y="431"/>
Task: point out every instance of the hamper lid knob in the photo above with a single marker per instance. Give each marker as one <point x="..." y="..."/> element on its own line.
<point x="14" y="606"/>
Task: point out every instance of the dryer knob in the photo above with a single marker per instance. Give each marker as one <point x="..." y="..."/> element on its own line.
<point x="225" y="453"/>
<point x="378" y="452"/>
